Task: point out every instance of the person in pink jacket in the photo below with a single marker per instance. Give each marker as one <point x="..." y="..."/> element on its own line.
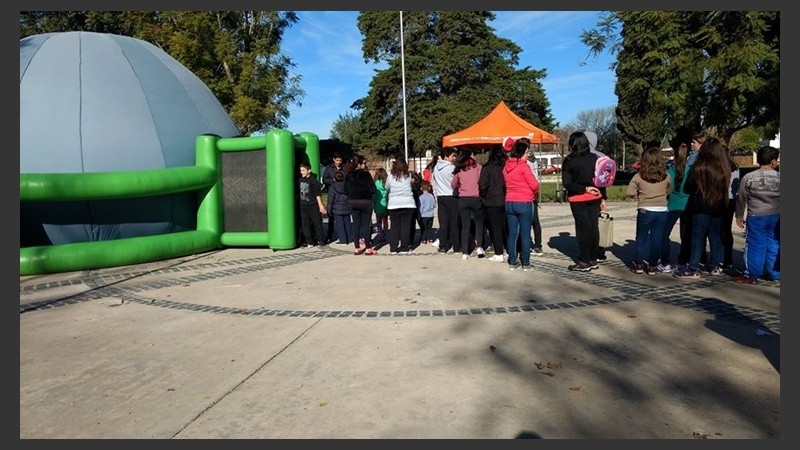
<point x="521" y="188"/>
<point x="465" y="182"/>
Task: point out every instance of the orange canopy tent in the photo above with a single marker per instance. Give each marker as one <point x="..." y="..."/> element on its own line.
<point x="498" y="124"/>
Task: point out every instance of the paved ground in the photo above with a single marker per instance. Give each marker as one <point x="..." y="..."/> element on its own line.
<point x="309" y="343"/>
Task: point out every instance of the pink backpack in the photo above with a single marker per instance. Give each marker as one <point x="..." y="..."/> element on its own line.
<point x="605" y="171"/>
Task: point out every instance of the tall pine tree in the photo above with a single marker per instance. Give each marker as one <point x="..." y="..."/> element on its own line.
<point x="456" y="71"/>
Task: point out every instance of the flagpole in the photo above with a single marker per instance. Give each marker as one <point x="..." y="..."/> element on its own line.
<point x="403" y="69"/>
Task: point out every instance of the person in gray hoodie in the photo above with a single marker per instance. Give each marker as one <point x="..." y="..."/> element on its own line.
<point x="446" y="201"/>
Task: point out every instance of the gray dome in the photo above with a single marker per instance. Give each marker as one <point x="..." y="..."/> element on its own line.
<point x="94" y="102"/>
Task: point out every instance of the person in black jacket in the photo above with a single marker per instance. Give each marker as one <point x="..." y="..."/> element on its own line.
<point x="328" y="173"/>
<point x="707" y="186"/>
<point x="492" y="189"/>
<point x="584" y="199"/>
<point x="360" y="187"/>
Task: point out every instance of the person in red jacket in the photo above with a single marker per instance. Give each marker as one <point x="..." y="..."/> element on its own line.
<point x="521" y="188"/>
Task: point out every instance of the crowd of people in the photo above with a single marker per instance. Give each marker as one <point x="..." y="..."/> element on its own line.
<point x="494" y="207"/>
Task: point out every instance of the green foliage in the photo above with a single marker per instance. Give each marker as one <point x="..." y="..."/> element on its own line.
<point x="547" y="193"/>
<point x="746" y="141"/>
<point x="456" y="71"/>
<point x="235" y="53"/>
<point x="347" y="128"/>
<point x="705" y="70"/>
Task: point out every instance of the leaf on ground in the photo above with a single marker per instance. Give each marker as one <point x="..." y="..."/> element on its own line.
<point x="632" y="316"/>
<point x="547" y="365"/>
<point x="575" y="388"/>
<point x="697" y="435"/>
<point x="323" y="403"/>
<point x="492" y="348"/>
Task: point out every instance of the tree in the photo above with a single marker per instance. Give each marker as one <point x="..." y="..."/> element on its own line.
<point x="602" y="121"/>
<point x="347" y="128"/>
<point x="712" y="70"/>
<point x="235" y="53"/>
<point x="456" y="71"/>
<point x="746" y="141"/>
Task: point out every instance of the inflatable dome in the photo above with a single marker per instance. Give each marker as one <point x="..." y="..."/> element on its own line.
<point x="94" y="102"/>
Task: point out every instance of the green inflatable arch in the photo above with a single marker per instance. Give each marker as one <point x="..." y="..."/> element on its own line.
<point x="204" y="178"/>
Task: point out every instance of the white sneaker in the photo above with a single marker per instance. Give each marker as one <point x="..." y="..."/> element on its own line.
<point x="497" y="258"/>
<point x="435" y="243"/>
<point x="464" y="256"/>
<point x="480" y="252"/>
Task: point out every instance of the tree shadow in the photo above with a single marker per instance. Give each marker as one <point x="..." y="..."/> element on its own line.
<point x="732" y="324"/>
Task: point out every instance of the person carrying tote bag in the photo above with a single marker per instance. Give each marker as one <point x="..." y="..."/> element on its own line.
<point x="578" y="172"/>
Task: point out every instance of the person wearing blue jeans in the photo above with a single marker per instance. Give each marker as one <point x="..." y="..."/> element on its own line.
<point x="762" y="247"/>
<point x="650" y="187"/>
<point x="649" y="233"/>
<point x="519" y="216"/>
<point x="521" y="188"/>
<point x="706" y="225"/>
<point x="760" y="197"/>
<point x="707" y="187"/>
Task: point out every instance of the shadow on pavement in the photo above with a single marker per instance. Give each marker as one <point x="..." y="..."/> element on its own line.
<point x="734" y="325"/>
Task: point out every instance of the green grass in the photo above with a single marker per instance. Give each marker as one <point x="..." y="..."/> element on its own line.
<point x="547" y="193"/>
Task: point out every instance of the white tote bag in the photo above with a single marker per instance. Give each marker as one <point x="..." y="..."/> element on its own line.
<point x="606" y="226"/>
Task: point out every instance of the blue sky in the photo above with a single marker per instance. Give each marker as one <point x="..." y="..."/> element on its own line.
<point x="326" y="46"/>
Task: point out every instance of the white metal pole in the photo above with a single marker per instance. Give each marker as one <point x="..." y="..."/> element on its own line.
<point x="403" y="69"/>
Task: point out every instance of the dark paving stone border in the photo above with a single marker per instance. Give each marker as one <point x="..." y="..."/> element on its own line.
<point x="104" y="286"/>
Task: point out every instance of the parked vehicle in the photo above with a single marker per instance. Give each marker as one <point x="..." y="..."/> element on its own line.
<point x="550" y="170"/>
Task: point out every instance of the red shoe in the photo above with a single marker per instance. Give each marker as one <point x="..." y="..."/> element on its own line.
<point x="745" y="280"/>
<point x="359" y="251"/>
<point x="371" y="251"/>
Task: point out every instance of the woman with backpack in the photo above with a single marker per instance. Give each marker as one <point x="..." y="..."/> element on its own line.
<point x="577" y="177"/>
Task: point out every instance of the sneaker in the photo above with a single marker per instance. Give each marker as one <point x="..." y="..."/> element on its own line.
<point x="537" y="251"/>
<point x="652" y="271"/>
<point x="404" y="253"/>
<point x="309" y="246"/>
<point x="593" y="265"/>
<point x="686" y="273"/>
<point x="464" y="256"/>
<point x="715" y="271"/>
<point x="526" y="268"/>
<point x="514" y="266"/>
<point x="435" y="243"/>
<point x="745" y="280"/>
<point x="371" y="251"/>
<point x="637" y="267"/>
<point x="496" y="258"/>
<point x="602" y="257"/>
<point x="359" y="251"/>
<point x="481" y="253"/>
<point x="322" y="246"/>
<point x="442" y="251"/>
<point x="580" y="266"/>
<point x="394" y="253"/>
<point x="664" y="268"/>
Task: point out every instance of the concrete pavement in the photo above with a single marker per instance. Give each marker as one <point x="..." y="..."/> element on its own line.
<point x="310" y="343"/>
